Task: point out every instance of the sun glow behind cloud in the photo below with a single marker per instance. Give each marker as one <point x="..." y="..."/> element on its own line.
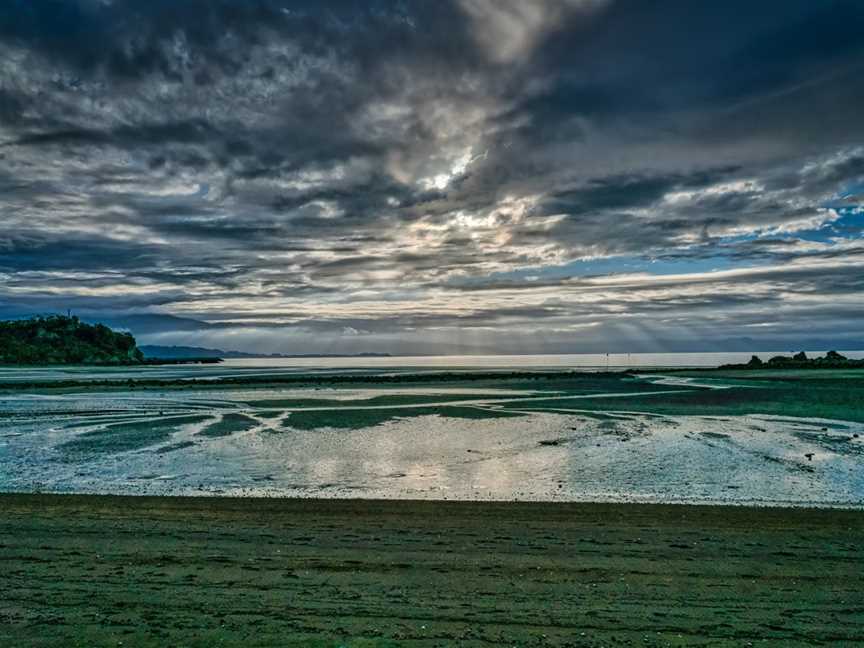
<point x="465" y="175"/>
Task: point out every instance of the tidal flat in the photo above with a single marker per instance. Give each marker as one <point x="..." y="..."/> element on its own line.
<point x="758" y="437"/>
<point x="430" y="509"/>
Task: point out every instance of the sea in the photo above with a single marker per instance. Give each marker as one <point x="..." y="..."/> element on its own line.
<point x="392" y="364"/>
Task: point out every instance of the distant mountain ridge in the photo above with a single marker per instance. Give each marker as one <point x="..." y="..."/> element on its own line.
<point x="154" y="351"/>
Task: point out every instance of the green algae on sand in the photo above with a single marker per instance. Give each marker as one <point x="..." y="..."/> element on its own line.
<point x="120" y="437"/>
<point x="348" y="418"/>
<point x="199" y="572"/>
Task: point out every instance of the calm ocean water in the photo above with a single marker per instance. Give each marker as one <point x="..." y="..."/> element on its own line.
<point x="592" y="361"/>
<point x="277" y="366"/>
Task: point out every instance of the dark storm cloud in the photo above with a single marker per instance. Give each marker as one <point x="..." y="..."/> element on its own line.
<point x="621" y="192"/>
<point x="380" y="168"/>
<point x="44" y="253"/>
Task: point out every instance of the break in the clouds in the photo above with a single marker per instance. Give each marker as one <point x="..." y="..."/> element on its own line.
<point x="463" y="175"/>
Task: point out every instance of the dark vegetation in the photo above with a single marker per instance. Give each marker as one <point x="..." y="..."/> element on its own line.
<point x="580" y="384"/>
<point x="133" y="435"/>
<point x="228" y="425"/>
<point x="58" y="339"/>
<point x="544" y="380"/>
<point x="799" y="396"/>
<point x="359" y="418"/>
<point x="547" y="380"/>
<point x="831" y="360"/>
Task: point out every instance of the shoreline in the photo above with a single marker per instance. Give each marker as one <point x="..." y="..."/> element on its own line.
<point x="406" y="376"/>
<point x="155" y="571"/>
<point x="396" y="376"/>
<point x="338" y="505"/>
<point x="288" y="500"/>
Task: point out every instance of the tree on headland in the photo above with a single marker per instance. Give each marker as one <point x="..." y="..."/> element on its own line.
<point x="60" y="339"/>
<point x="832" y="359"/>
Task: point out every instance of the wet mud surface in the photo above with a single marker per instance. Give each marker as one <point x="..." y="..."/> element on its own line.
<point x="584" y="438"/>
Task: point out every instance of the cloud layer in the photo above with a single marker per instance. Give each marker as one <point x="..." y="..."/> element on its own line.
<point x="448" y="176"/>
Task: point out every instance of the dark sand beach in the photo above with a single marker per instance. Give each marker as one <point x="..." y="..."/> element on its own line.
<point x="120" y="571"/>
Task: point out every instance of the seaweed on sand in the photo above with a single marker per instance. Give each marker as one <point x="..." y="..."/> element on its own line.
<point x="122" y="437"/>
<point x="228" y="425"/>
<point x="345" y="418"/>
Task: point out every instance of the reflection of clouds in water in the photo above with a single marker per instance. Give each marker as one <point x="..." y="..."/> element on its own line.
<point x="493" y="475"/>
<point x="636" y="459"/>
<point x="739" y="459"/>
<point x="325" y="471"/>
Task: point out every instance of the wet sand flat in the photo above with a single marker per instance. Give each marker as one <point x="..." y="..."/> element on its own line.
<point x="548" y="436"/>
<point x="101" y="570"/>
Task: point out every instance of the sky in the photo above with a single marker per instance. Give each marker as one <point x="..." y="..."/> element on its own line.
<point x="457" y="176"/>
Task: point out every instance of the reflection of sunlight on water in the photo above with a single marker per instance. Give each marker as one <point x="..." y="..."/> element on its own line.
<point x="326" y="471"/>
<point x="493" y="476"/>
<point x="634" y="457"/>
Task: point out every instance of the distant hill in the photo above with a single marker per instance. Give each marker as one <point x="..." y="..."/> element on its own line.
<point x="58" y="339"/>
<point x="152" y="351"/>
